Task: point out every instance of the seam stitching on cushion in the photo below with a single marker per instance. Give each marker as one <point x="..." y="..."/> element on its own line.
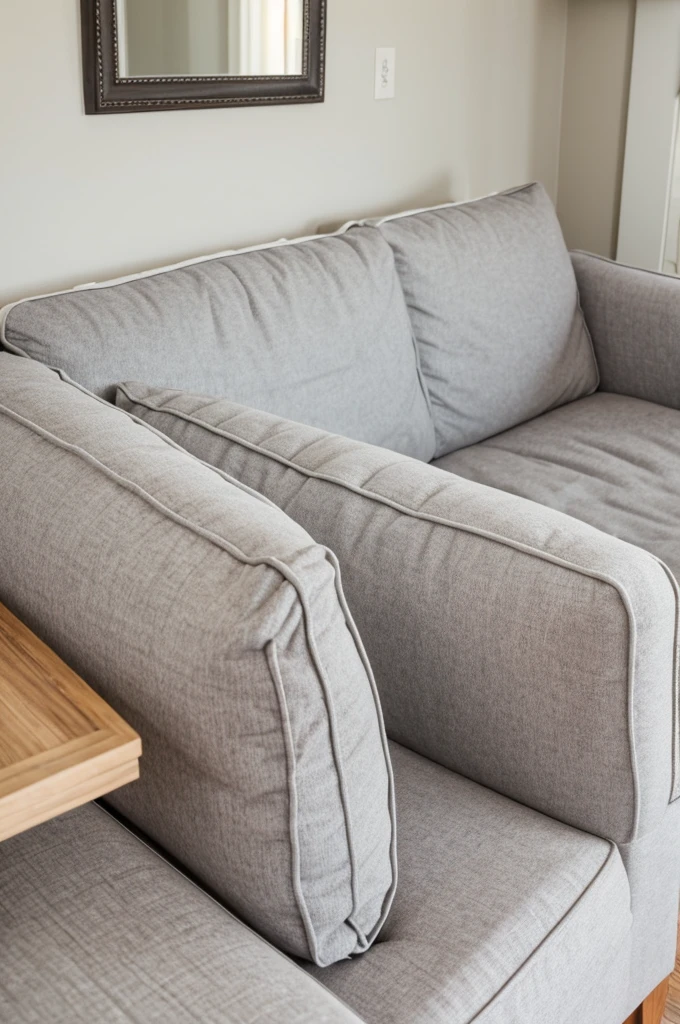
<point x="8" y="344"/>
<point x="477" y="531"/>
<point x="134" y="488"/>
<point x="293" y="826"/>
<point x="338" y="758"/>
<point x="623" y="266"/>
<point x="351" y="625"/>
<point x="232" y="549"/>
<point x="675" y="783"/>
<point x="336" y="750"/>
<point x="546" y="938"/>
<point x="379" y="221"/>
<point x="162" y="856"/>
<point x="223" y="254"/>
<point x="92" y="286"/>
<point x="64" y="377"/>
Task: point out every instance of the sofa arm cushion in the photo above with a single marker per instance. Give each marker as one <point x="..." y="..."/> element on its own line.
<point x="217" y="627"/>
<point x="634" y="321"/>
<point x="510" y="643"/>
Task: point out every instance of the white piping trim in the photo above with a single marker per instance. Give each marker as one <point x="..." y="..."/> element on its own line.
<point x="675" y="782"/>
<point x="157" y="271"/>
<point x="293" y="828"/>
<point x="379" y="221"/>
<point x="176" y="517"/>
<point x="624" y="266"/>
<point x="351" y="625"/>
<point x="159" y="434"/>
<point x="280" y="243"/>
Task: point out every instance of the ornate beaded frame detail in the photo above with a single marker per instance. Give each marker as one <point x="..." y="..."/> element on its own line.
<point x="106" y="92"/>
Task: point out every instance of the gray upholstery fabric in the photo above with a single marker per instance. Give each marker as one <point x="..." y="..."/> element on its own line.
<point x="502" y="915"/>
<point x="95" y="928"/>
<point x="653" y="867"/>
<point x="218" y="629"/>
<point x="494" y="306"/>
<point x="317" y="331"/>
<point x="511" y="643"/>
<point x="634" y="318"/>
<point x="609" y="460"/>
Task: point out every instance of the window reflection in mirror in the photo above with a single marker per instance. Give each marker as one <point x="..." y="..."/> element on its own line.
<point x="671" y="252"/>
<point x="187" y="38"/>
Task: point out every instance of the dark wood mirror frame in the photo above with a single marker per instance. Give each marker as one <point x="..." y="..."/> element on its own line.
<point x="107" y="93"/>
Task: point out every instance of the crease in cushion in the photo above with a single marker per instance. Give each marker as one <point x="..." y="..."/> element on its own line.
<point x="169" y="587"/>
<point x="492" y="297"/>
<point x="315" y="330"/>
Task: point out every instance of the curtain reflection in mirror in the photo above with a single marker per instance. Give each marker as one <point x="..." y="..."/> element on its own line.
<point x="166" y="38"/>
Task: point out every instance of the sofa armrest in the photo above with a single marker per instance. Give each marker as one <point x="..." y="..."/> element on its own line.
<point x="216" y="626"/>
<point x="510" y="643"/>
<point x="634" y="321"/>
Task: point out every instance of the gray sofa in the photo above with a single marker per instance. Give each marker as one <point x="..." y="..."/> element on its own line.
<point x="377" y="552"/>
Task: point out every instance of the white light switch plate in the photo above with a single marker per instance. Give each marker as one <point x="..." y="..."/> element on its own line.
<point x="385" y="69"/>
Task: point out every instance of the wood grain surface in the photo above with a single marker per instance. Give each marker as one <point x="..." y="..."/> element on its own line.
<point x="61" y="745"/>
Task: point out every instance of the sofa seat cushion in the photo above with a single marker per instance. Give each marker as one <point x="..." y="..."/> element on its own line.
<point x="502" y="915"/>
<point x="96" y="927"/>
<point x="316" y="331"/>
<point x="218" y="628"/>
<point x="494" y="305"/>
<point x="608" y="460"/>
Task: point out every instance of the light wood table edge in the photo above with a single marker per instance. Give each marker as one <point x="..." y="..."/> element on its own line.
<point x="79" y="748"/>
<point x="68" y="797"/>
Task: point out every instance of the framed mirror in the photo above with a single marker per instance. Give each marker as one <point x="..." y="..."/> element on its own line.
<point x="183" y="54"/>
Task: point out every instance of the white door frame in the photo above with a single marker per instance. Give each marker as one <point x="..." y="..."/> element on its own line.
<point x="650" y="136"/>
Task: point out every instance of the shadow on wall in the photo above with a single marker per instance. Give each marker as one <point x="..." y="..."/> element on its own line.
<point x="440" y="190"/>
<point x="594" y="120"/>
<point x="513" y="98"/>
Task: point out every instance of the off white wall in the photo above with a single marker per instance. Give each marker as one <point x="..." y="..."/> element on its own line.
<point x="596" y="87"/>
<point x="478" y="107"/>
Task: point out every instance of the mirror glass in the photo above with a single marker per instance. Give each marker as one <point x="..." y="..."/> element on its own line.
<point x="196" y="38"/>
<point x="671" y="253"/>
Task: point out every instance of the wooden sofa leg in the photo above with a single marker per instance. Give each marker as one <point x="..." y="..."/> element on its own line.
<point x="651" y="1011"/>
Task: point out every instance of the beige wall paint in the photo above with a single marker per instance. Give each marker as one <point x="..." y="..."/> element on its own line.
<point x="478" y="106"/>
<point x="509" y="92"/>
<point x="596" y="87"/>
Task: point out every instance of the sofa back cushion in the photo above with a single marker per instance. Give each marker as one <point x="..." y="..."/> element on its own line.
<point x="494" y="306"/>
<point x="218" y="628"/>
<point x="315" y="331"/>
